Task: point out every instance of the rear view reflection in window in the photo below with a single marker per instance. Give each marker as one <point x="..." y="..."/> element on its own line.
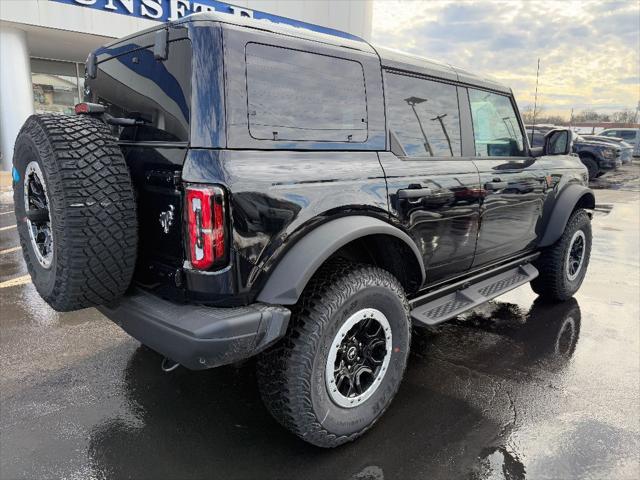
<point x="296" y="95"/>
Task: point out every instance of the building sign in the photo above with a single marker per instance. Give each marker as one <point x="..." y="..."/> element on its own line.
<point x="166" y="10"/>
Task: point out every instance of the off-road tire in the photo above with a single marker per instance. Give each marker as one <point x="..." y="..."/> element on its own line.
<point x="291" y="374"/>
<point x="92" y="210"/>
<point x="553" y="282"/>
<point x="592" y="166"/>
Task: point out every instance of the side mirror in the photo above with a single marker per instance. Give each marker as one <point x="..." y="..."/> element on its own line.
<point x="557" y="142"/>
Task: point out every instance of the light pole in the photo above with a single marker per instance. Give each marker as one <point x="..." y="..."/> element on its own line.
<point x="412" y="102"/>
<point x="444" y="129"/>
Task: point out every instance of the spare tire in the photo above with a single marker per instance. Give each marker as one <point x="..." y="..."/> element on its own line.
<point x="75" y="210"/>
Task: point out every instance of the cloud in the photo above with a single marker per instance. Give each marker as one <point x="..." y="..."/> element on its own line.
<point x="589" y="50"/>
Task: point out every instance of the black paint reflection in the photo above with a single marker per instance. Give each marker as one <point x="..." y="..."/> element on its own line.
<point x="514" y="192"/>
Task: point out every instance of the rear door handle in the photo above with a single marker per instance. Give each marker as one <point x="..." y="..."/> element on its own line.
<point x="414" y="193"/>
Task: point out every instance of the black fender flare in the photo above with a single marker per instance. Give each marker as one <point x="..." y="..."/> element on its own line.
<point x="562" y="209"/>
<point x="290" y="276"/>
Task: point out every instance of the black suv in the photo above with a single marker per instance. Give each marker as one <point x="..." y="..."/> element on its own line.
<point x="235" y="187"/>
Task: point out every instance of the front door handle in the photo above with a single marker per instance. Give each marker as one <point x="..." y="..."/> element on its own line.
<point x="414" y="193"/>
<point x="496" y="185"/>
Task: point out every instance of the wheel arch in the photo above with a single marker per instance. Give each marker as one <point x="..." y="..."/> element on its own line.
<point x="360" y="238"/>
<point x="572" y="198"/>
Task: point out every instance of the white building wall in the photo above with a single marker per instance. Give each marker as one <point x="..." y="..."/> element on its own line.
<point x="59" y="31"/>
<point x="16" y="95"/>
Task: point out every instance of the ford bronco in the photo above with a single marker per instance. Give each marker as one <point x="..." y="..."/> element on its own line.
<point x="234" y="188"/>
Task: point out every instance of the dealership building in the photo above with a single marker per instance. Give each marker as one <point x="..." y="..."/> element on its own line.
<point x="43" y="43"/>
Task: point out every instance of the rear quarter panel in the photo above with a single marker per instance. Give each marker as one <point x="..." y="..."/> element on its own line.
<point x="275" y="197"/>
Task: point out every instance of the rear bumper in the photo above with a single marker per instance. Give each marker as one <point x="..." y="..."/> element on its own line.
<point x="198" y="337"/>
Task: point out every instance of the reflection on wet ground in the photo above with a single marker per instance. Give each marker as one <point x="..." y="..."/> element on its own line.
<point x="516" y="389"/>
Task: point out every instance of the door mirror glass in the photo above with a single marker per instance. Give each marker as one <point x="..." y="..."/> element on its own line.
<point x="557" y="142"/>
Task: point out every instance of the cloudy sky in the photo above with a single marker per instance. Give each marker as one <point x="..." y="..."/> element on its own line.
<point x="589" y="49"/>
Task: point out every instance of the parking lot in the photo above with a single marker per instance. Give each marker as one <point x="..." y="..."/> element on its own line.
<point x="516" y="389"/>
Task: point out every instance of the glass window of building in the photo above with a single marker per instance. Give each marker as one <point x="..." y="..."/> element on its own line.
<point x="423" y="115"/>
<point x="56" y="85"/>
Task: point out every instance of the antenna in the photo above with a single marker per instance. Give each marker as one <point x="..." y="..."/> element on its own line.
<point x="535" y="102"/>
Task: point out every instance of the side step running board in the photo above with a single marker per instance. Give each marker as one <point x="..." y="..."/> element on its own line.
<point x="453" y="304"/>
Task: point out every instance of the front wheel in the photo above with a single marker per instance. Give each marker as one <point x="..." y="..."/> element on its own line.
<point x="563" y="265"/>
<point x="341" y="362"/>
<point x="592" y="166"/>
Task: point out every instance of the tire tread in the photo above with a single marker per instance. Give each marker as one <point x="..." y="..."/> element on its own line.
<point x="284" y="370"/>
<point x="93" y="208"/>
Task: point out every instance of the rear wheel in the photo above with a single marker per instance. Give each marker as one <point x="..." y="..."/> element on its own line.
<point x="563" y="265"/>
<point x="75" y="210"/>
<point x="342" y="360"/>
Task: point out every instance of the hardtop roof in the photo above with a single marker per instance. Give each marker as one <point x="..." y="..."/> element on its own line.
<point x="389" y="58"/>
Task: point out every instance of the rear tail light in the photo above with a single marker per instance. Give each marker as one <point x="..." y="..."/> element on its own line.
<point x="206" y="227"/>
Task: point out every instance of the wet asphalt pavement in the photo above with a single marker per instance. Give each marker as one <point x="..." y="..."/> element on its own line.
<point x="516" y="389"/>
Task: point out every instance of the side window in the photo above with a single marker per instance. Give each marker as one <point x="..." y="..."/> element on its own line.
<point x="423" y="115"/>
<point x="627" y="135"/>
<point x="302" y="96"/>
<point x="610" y="133"/>
<point x="496" y="129"/>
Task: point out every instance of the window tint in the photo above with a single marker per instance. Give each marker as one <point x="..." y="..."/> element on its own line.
<point x="295" y="95"/>
<point x="495" y="126"/>
<point x="423" y="115"/>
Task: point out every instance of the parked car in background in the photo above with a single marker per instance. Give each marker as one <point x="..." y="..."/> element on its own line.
<point x="598" y="157"/>
<point x="629" y="135"/>
<point x="626" y="149"/>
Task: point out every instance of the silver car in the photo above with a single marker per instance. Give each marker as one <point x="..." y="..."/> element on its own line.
<point x="629" y="135"/>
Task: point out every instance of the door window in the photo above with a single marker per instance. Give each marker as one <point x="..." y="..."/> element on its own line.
<point x="627" y="135"/>
<point x="423" y="115"/>
<point x="496" y="129"/>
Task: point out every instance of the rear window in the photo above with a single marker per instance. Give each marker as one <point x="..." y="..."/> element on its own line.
<point x="302" y="96"/>
<point x="135" y="84"/>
